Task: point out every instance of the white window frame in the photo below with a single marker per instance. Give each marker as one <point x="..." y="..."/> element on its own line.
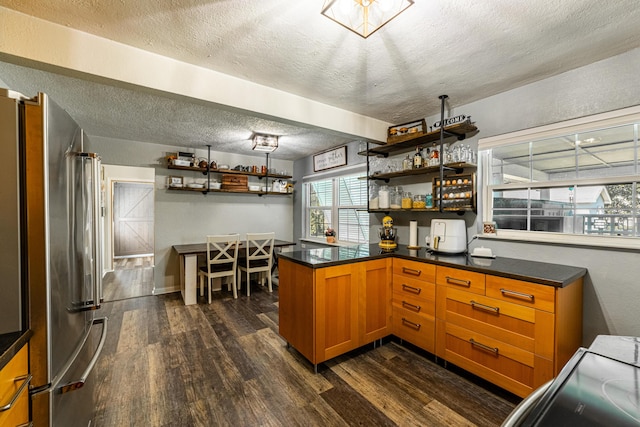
<point x="625" y="116"/>
<point x="335" y="208"/>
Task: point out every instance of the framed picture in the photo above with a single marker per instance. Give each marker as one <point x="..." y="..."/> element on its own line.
<point x="330" y="159"/>
<point x="176" y="181"/>
<point x="489" y="228"/>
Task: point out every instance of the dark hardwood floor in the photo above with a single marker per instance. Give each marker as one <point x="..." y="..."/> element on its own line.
<point x="224" y="364"/>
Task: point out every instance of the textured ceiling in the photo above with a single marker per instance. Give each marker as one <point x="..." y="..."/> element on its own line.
<point x="466" y="49"/>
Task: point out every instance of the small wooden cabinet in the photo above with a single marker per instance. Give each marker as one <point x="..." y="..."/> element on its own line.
<point x="14" y="379"/>
<point x="345" y="306"/>
<point x="414" y="295"/>
<point x="515" y="334"/>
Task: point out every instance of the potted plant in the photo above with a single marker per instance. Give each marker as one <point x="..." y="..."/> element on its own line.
<point x="331" y="235"/>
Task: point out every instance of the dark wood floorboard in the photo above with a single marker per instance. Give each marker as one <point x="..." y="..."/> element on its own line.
<point x="224" y="364"/>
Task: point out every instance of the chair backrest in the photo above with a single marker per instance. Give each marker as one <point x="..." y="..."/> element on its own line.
<point x="222" y="249"/>
<point x="259" y="246"/>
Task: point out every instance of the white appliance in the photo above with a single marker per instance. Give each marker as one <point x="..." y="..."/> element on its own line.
<point x="448" y="236"/>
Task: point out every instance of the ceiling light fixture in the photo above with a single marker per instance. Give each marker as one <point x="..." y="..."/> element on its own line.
<point x="265" y="143"/>
<point x="364" y="17"/>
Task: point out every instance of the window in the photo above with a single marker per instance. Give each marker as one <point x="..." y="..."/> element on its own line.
<point x="339" y="203"/>
<point x="573" y="182"/>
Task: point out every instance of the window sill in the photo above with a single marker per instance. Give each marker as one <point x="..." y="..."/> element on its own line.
<point x="324" y="242"/>
<point x="588" y="242"/>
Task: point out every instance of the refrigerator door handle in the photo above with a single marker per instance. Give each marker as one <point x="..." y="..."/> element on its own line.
<point x="96" y="299"/>
<point x="74" y="385"/>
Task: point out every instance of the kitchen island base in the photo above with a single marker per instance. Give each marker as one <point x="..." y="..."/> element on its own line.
<point x="514" y="325"/>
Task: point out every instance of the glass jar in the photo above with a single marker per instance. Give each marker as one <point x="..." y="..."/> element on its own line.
<point x="407" y="200"/>
<point x="418" y="201"/>
<point x="374" y="198"/>
<point x="395" y="198"/>
<point x="383" y="197"/>
<point x="428" y="201"/>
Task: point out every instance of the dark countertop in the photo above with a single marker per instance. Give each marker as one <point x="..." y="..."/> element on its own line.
<point x="532" y="271"/>
<point x="11" y="343"/>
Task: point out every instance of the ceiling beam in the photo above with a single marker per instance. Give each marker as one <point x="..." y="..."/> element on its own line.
<point x="55" y="46"/>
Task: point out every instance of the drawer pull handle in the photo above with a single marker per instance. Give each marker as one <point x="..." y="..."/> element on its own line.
<point x="515" y="294"/>
<point x="495" y="310"/>
<point x="413" y="307"/>
<point x="411" y="271"/>
<point x="415" y="326"/>
<point x="459" y="282"/>
<point x="411" y="289"/>
<point x="26" y="379"/>
<point x="484" y="347"/>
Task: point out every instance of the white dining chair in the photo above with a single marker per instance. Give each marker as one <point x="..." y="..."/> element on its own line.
<point x="222" y="261"/>
<point x="258" y="259"/>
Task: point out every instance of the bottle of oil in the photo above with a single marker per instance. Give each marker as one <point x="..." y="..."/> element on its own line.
<point x="417" y="159"/>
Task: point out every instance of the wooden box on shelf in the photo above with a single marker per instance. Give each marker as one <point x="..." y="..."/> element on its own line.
<point x="406" y="131"/>
<point x="235" y="182"/>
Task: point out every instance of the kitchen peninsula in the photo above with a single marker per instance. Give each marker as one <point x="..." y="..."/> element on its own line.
<point x="513" y="322"/>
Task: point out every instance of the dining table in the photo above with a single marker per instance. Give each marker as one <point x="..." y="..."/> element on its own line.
<point x="188" y="258"/>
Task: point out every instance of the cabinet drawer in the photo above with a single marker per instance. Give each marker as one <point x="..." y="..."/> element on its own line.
<point x="416" y="305"/>
<point x="416" y="328"/>
<point x="519" y="292"/>
<point x="524" y="327"/>
<point x="12" y="376"/>
<point x="508" y="366"/>
<point x="463" y="279"/>
<point x="407" y="287"/>
<point x="415" y="270"/>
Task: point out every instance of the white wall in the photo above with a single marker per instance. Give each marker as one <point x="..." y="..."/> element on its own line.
<point x="186" y="217"/>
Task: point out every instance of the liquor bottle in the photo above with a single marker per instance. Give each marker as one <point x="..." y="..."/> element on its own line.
<point x="435" y="156"/>
<point x="407" y="163"/>
<point x="417" y="159"/>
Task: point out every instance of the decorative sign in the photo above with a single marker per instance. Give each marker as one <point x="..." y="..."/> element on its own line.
<point x="330" y="159"/>
<point x="451" y="121"/>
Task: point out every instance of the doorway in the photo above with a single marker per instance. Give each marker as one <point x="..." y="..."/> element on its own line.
<point x="129" y="232"/>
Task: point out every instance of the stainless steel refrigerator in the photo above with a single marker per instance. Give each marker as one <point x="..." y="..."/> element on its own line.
<point x="60" y="237"/>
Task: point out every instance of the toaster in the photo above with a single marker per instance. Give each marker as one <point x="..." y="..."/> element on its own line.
<point x="448" y="236"/>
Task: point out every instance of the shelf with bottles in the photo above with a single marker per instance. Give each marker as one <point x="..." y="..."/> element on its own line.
<point x="458" y="131"/>
<point x="427" y="161"/>
<point x="429" y="170"/>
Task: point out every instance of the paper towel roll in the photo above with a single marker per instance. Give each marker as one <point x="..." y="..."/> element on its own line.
<point x="413" y="233"/>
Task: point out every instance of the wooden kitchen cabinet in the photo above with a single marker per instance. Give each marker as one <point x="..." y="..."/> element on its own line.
<point x="374" y="300"/>
<point x="12" y="377"/>
<point x="329" y="311"/>
<point x="413" y="301"/>
<point x="513" y="333"/>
